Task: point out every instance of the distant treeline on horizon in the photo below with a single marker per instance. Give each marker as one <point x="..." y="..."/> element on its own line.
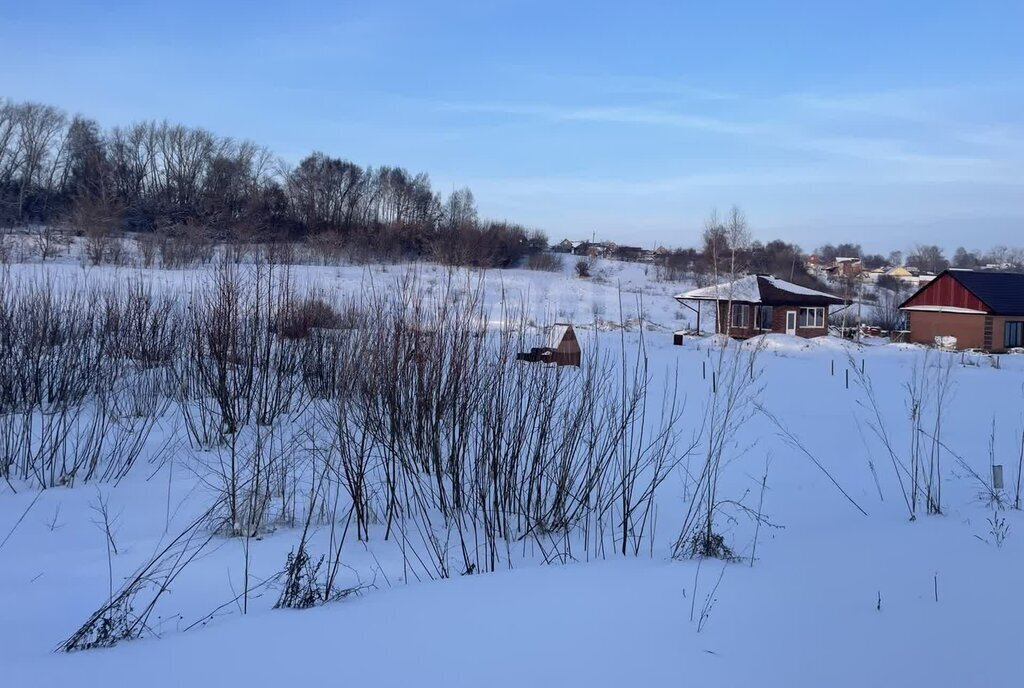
<point x="162" y="177"/>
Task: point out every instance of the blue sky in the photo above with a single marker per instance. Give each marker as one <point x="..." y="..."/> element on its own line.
<point x="888" y="123"/>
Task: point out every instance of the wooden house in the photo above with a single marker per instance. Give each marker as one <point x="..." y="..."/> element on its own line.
<point x="967" y="309"/>
<point x="845" y="268"/>
<point x="759" y="304"/>
<point x="563" y="348"/>
<point x="628" y="253"/>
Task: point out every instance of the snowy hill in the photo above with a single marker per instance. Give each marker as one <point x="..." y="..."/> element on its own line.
<point x="831" y="582"/>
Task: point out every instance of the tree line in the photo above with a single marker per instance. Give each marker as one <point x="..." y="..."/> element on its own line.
<point x="165" y="178"/>
<point x="728" y="249"/>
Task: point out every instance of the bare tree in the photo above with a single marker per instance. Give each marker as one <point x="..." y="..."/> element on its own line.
<point x="725" y="242"/>
<point x="928" y="258"/>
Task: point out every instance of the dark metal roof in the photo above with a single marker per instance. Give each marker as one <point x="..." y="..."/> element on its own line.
<point x="763" y="289"/>
<point x="1003" y="292"/>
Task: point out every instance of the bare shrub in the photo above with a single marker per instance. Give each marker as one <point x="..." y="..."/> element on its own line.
<point x="279" y="253"/>
<point x="583" y="266"/>
<point x="78" y="398"/>
<point x="299" y="317"/>
<point x="545" y="261"/>
<point x="6" y="250"/>
<point x="237" y="383"/>
<point x="301" y="587"/>
<point x="676" y="265"/>
<point x="241" y="251"/>
<point x="309" y="582"/>
<point x="401" y="413"/>
<point x="479" y="450"/>
<point x="117" y="252"/>
<point x="103" y="247"/>
<point x="486" y="244"/>
<point x="998" y="529"/>
<point x="48" y="242"/>
<point x="126" y="614"/>
<point x="928" y="391"/>
<point x="149" y="248"/>
<point x="328" y="246"/>
<point x="183" y="246"/>
<point x="731" y="402"/>
<point x="97" y="219"/>
<point x="885" y="313"/>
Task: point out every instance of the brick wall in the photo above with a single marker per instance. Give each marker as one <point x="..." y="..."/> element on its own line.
<point x="778" y="323"/>
<point x="968" y="328"/>
<point x="725" y="322"/>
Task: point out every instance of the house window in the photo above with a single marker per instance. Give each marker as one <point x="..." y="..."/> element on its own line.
<point x="740" y="314"/>
<point x="764" y="318"/>
<point x="1013" y="334"/>
<point x="812" y="317"/>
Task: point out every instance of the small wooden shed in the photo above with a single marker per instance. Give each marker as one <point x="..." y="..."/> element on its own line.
<point x="563" y="348"/>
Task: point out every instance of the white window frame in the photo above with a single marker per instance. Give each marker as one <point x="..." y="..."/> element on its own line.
<point x="739" y="309"/>
<point x="811" y="317"/>
<point x="761" y="325"/>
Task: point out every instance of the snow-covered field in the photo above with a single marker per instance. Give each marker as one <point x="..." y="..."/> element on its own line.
<point x="842" y="588"/>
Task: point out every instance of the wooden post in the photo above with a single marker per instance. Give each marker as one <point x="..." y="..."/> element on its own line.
<point x="833" y="367"/>
<point x="847" y="378"/>
<point x="703" y="370"/>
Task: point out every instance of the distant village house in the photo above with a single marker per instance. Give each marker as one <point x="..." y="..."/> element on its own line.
<point x="603" y="249"/>
<point x="759" y="304"/>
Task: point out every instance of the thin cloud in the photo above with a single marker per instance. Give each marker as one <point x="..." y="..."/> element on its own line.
<point x="912" y="105"/>
<point x="925" y="173"/>
<point x="605" y="85"/>
<point x="652" y="116"/>
<point x="609" y="115"/>
<point x="791" y="133"/>
<point x="888" y="150"/>
<point x="606" y="114"/>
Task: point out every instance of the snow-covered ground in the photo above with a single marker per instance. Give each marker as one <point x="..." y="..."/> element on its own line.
<point x="843" y="588"/>
<point x="616" y="291"/>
